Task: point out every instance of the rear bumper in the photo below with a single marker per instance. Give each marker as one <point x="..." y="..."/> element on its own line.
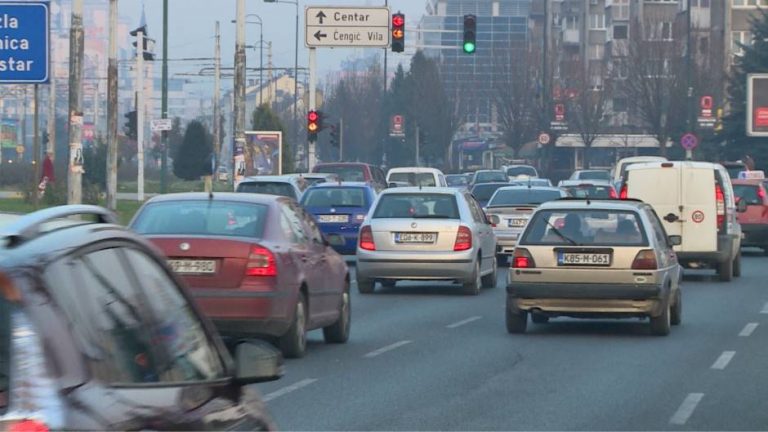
<point x="725" y="251"/>
<point x="755" y="234"/>
<point x="246" y="313"/>
<point x="505" y="244"/>
<point x="527" y="290"/>
<point x="424" y="266"/>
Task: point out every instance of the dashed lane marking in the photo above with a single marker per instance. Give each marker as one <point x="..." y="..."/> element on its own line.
<point x="686" y="408"/>
<point x="387" y="348"/>
<point x="722" y="361"/>
<point x="463" y="322"/>
<point x="289" y="389"/>
<point x="748" y="329"/>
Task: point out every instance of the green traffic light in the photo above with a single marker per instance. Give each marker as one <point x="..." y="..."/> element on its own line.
<point x="469" y="47"/>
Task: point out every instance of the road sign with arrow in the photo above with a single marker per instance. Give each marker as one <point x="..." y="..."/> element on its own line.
<point x="346" y="27"/>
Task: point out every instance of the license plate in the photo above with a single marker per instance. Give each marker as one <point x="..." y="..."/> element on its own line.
<point x="192" y="266"/>
<point x="584" y="259"/>
<point x="333" y="218"/>
<point x="415" y="237"/>
<point x="517" y="223"/>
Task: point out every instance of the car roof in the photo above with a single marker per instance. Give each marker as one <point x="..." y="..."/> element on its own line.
<point x="489" y="170"/>
<point x="418" y="190"/>
<point x="586" y="182"/>
<point x="252" y="198"/>
<point x="341" y="184"/>
<point x="352" y="164"/>
<point x="492" y="183"/>
<point x="642" y="159"/>
<point x="582" y="204"/>
<point x="591" y="170"/>
<point x="532" y="187"/>
<point x="272" y="179"/>
<point x="675" y="164"/>
<point x="414" y="170"/>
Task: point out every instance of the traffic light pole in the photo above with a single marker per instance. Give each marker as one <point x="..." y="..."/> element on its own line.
<point x="341" y="139"/>
<point x="76" y="42"/>
<point x="112" y="109"/>
<point x="140" y="112"/>
<point x="312" y="103"/>
<point x="164" y="102"/>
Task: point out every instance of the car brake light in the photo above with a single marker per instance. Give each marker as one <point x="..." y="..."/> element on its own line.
<point x="521" y="258"/>
<point x="761" y="193"/>
<point x="463" y="239"/>
<point x="612" y="193"/>
<point x="624" y="192"/>
<point x="720" y="199"/>
<point x="28" y="426"/>
<point x="366" y="239"/>
<point x="261" y="262"/>
<point x="645" y="260"/>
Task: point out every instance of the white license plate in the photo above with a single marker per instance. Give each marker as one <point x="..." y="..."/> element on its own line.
<point x="585" y="259"/>
<point x="415" y="237"/>
<point x="193" y="266"/>
<point x="517" y="223"/>
<point x="333" y="218"/>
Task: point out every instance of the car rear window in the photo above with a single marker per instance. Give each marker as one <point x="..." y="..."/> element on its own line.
<point x="217" y="218"/>
<point x="585" y="228"/>
<point x="334" y="197"/>
<point x="457" y="180"/>
<point x="523" y="196"/>
<point x="590" y="191"/>
<point x="522" y="170"/>
<point x="268" y="188"/>
<point x="486" y="191"/>
<point x="420" y="206"/>
<point x="748" y="193"/>
<point x="594" y="175"/>
<point x="414" y="179"/>
<point x="346" y="173"/>
<point x="490" y="176"/>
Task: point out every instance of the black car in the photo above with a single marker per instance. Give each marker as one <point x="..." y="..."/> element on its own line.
<point x="96" y="333"/>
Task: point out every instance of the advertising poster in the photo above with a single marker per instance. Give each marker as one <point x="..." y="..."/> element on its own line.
<point x="263" y="153"/>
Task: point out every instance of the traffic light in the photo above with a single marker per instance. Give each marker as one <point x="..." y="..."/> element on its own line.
<point x="398" y="32"/>
<point x="148" y="48"/>
<point x="335" y="129"/>
<point x="314" y="124"/>
<point x="470" y="33"/>
<point x="131" y="125"/>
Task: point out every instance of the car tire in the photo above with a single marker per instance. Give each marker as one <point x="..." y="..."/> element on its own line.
<point x="472" y="286"/>
<point x="489" y="280"/>
<point x="338" y="332"/>
<point x="388" y="283"/>
<point x="661" y="325"/>
<point x="725" y="271"/>
<point x="538" y="318"/>
<point x="365" y="286"/>
<point x="502" y="260"/>
<point x="737" y="265"/>
<point x="516" y="322"/>
<point x="293" y="343"/>
<point x="676" y="316"/>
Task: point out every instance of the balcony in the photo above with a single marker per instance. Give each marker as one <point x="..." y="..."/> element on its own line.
<point x="571" y="37"/>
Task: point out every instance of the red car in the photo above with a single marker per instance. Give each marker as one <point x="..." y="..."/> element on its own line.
<point x="753" y="212"/>
<point x="256" y="264"/>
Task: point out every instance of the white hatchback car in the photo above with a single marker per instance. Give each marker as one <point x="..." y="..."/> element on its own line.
<point x="426" y="234"/>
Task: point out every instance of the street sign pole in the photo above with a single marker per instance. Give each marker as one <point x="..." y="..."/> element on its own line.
<point x="312" y="103"/>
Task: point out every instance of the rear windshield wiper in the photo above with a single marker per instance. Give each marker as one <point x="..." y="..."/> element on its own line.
<point x="562" y="236"/>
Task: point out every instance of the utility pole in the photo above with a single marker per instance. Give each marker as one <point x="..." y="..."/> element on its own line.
<point x="418" y="135"/>
<point x="239" y="90"/>
<point x="112" y="109"/>
<point x="76" y="42"/>
<point x="51" y="147"/>
<point x="544" y="79"/>
<point x="341" y="139"/>
<point x="164" y="103"/>
<point x="312" y="103"/>
<point x="689" y="70"/>
<point x="386" y="51"/>
<point x="217" y="98"/>
<point x="140" y="111"/>
<point x="36" y="145"/>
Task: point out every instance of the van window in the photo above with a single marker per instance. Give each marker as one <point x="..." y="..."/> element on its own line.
<point x="414" y="179"/>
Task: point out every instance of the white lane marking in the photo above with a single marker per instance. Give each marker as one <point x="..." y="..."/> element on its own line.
<point x="765" y="309"/>
<point x="722" y="361"/>
<point x="285" y="390"/>
<point x="748" y="329"/>
<point x="387" y="348"/>
<point x="686" y="408"/>
<point x="462" y="322"/>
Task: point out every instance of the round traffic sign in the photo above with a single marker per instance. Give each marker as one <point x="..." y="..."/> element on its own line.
<point x="689" y="141"/>
<point x="544" y="138"/>
<point x="698" y="216"/>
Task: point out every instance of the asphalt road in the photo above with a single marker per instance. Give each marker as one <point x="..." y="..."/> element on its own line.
<point x="424" y="357"/>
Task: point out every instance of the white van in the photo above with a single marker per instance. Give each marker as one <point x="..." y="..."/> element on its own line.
<point x="417" y="176"/>
<point x="619" y="171"/>
<point x="694" y="200"/>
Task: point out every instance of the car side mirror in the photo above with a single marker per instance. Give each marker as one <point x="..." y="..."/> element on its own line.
<point x="741" y="205"/>
<point x="257" y="362"/>
<point x="333" y="240"/>
<point x="675" y="240"/>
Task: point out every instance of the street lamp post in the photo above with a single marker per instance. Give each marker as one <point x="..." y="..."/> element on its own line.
<point x="260" y="23"/>
<point x="295" y="71"/>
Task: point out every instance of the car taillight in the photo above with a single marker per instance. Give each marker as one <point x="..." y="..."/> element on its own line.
<point x="761" y="193"/>
<point x="645" y="260"/>
<point x="463" y="239"/>
<point x="612" y="194"/>
<point x="624" y="192"/>
<point x="720" y="199"/>
<point x="261" y="262"/>
<point x="521" y="258"/>
<point x="28" y="426"/>
<point x="366" y="239"/>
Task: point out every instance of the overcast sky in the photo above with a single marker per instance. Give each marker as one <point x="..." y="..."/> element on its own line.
<point x="191" y="29"/>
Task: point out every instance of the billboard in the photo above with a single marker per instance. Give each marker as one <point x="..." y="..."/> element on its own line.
<point x="261" y="154"/>
<point x="757" y="105"/>
<point x="9" y="133"/>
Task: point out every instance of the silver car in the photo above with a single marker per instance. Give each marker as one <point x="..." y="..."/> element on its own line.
<point x="426" y="234"/>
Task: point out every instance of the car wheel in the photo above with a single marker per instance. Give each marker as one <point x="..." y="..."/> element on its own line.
<point x="388" y="283"/>
<point x="293" y="343"/>
<point x="737" y="265"/>
<point x="677" y="309"/>
<point x="660" y="325"/>
<point x="538" y="318"/>
<point x="489" y="280"/>
<point x="472" y="286"/>
<point x="365" y="286"/>
<point x="725" y="271"/>
<point x="502" y="260"/>
<point x="516" y="322"/>
<point x="338" y="332"/>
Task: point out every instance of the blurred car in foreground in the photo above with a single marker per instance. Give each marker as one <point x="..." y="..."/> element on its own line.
<point x="752" y="205"/>
<point x="256" y="264"/>
<point x="340" y="208"/>
<point x="595" y="259"/>
<point x="484" y="191"/>
<point x="592" y="189"/>
<point x="426" y="234"/>
<point x="96" y="333"/>
<point x="288" y="186"/>
<point x="509" y="210"/>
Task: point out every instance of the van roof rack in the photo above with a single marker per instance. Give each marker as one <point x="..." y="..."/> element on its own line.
<point x="28" y="227"/>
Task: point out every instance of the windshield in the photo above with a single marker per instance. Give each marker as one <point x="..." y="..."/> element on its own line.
<point x="457" y="180"/>
<point x="748" y="193"/>
<point x="490" y="176"/>
<point x="427" y="206"/>
<point x="585" y="228"/>
<point x="334" y="197"/>
<point x="521" y="170"/>
<point x="414" y="179"/>
<point x="268" y="188"/>
<point x="591" y="191"/>
<point x="346" y="172"/>
<point x="734" y="170"/>
<point x="523" y="196"/>
<point x="216" y="218"/>
<point x="484" y="192"/>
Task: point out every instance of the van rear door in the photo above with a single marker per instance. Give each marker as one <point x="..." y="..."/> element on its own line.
<point x="699" y="210"/>
<point x="661" y="188"/>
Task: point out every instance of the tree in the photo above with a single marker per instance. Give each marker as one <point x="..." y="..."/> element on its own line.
<point x="753" y="60"/>
<point x="514" y="91"/>
<point x="264" y="119"/>
<point x="589" y="104"/>
<point x="193" y="159"/>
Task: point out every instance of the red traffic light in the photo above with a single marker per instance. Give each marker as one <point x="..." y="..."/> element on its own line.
<point x="313" y="116"/>
<point x="398" y="20"/>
